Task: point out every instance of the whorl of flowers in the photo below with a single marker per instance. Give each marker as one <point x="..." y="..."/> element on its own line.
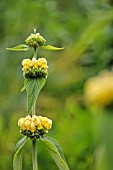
<point x="35" y="68"/>
<point x="35" y="40"/>
<point x="99" y="89"/>
<point x="34" y="126"/>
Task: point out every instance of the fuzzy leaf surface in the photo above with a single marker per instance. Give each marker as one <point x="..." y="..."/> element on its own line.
<point x="33" y="87"/>
<point x="17" y="160"/>
<point x="56" y="152"/>
<point x="49" y="47"/>
<point x="21" y="47"/>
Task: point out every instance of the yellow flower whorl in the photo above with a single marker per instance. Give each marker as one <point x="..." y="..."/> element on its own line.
<point x="35" y="68"/>
<point x="34" y="126"/>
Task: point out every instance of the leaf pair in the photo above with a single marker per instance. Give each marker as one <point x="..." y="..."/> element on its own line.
<point x="54" y="150"/>
<point x="23" y="47"/>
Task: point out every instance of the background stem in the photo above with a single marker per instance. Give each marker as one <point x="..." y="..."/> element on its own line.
<point x="34" y="155"/>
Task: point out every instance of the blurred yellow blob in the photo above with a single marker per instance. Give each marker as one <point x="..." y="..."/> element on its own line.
<point x="99" y="90"/>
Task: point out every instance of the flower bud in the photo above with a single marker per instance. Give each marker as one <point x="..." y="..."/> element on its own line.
<point x="35" y="40"/>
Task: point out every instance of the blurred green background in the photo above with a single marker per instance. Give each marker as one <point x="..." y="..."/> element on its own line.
<point x="85" y="28"/>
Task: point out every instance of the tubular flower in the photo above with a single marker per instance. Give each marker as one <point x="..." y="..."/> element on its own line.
<point x="99" y="89"/>
<point x="34" y="126"/>
<point x="35" y="68"/>
<point x="35" y="40"/>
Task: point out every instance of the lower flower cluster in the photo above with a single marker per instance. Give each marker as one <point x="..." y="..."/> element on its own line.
<point x="34" y="126"/>
<point x="35" y="68"/>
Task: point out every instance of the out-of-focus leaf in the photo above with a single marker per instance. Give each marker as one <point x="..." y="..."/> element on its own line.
<point x="21" y="47"/>
<point x="91" y="33"/>
<point x="17" y="160"/>
<point x="33" y="87"/>
<point x="56" y="152"/>
<point x="49" y="47"/>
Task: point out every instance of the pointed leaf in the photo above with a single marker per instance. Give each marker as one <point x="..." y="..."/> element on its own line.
<point x="17" y="160"/>
<point x="21" y="47"/>
<point x="56" y="152"/>
<point x="49" y="47"/>
<point x="33" y="87"/>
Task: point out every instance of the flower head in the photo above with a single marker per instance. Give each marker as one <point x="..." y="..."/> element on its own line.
<point x="35" y="68"/>
<point x="34" y="126"/>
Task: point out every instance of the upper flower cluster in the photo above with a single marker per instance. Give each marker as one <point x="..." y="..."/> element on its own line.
<point x="35" y="68"/>
<point x="34" y="126"/>
<point x="35" y="40"/>
<point x="99" y="89"/>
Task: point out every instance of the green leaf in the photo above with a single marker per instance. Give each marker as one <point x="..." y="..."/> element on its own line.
<point x="21" y="47"/>
<point x="17" y="160"/>
<point x="56" y="152"/>
<point x="49" y="47"/>
<point x="33" y="87"/>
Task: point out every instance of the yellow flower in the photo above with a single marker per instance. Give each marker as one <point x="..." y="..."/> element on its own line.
<point x="21" y="123"/>
<point x="26" y="62"/>
<point x="33" y="128"/>
<point x="28" y="117"/>
<point x="28" y="124"/>
<point x="47" y="123"/>
<point x="42" y="62"/>
<point x="37" y="122"/>
<point x="35" y="62"/>
<point x="40" y="118"/>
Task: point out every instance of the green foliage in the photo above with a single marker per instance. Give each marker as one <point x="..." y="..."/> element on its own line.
<point x="17" y="160"/>
<point x="33" y="87"/>
<point x="56" y="152"/>
<point x="21" y="47"/>
<point x="49" y="47"/>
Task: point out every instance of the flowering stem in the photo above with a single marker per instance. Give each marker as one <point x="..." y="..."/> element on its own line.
<point x="35" y="52"/>
<point x="34" y="155"/>
<point x="34" y="147"/>
<point x="34" y="144"/>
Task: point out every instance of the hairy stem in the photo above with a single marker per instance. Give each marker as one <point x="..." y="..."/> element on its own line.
<point x="34" y="155"/>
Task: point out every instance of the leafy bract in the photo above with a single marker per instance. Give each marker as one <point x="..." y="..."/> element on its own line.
<point x="49" y="47"/>
<point x="17" y="160"/>
<point x="21" y="47"/>
<point x="33" y="87"/>
<point x="56" y="152"/>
